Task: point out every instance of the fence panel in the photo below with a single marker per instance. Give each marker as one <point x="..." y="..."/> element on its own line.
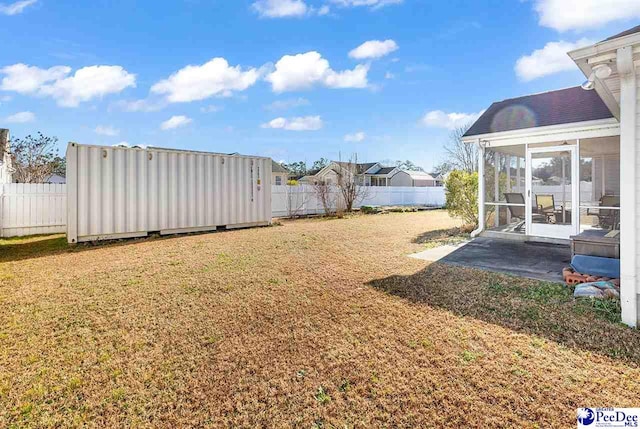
<point x="302" y="200"/>
<point x="28" y="209"/>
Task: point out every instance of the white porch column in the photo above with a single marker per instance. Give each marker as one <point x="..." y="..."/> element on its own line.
<point x="481" y="192"/>
<point x="628" y="184"/>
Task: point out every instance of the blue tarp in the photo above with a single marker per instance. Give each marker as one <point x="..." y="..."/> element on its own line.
<point x="596" y="266"/>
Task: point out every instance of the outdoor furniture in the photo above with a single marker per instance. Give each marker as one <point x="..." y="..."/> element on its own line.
<point x="607" y="218"/>
<point x="596" y="242"/>
<point x="546" y="206"/>
<point x="518" y="212"/>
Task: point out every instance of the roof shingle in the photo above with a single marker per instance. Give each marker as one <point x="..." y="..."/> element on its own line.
<point x="563" y="106"/>
<point x="385" y="170"/>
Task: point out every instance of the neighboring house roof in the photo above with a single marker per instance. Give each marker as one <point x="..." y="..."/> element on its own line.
<point x="277" y="167"/>
<point x="361" y="168"/>
<point x="365" y="166"/>
<point x="628" y="32"/>
<point x="384" y="171"/>
<point x="442" y="176"/>
<point x="418" y="175"/>
<point x="56" y="178"/>
<point x="563" y="106"/>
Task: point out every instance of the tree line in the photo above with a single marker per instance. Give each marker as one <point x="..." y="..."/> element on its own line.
<point x="301" y="168"/>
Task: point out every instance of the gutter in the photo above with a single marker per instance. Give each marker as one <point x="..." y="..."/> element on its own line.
<point x="480" y="227"/>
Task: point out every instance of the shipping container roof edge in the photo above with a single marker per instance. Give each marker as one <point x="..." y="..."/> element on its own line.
<point x="164" y="149"/>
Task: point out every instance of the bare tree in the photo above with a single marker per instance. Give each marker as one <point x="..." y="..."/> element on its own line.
<point x="460" y="155"/>
<point x="325" y="195"/>
<point x="34" y="158"/>
<point x="347" y="181"/>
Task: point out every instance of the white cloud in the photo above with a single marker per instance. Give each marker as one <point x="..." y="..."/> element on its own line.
<point x="87" y="83"/>
<point x="106" y="130"/>
<point x="355" y="137"/>
<point x="324" y="10"/>
<point x="141" y="105"/>
<point x="563" y="15"/>
<point x="303" y="71"/>
<point x="175" y="122"/>
<point x="307" y="123"/>
<point x="214" y="78"/>
<point x="440" y="119"/>
<point x="288" y="9"/>
<point x="287" y="104"/>
<point x="15" y="8"/>
<point x="374" y="49"/>
<point x="211" y="108"/>
<point x="373" y="4"/>
<point x="26" y="79"/>
<point x="280" y="8"/>
<point x="389" y="75"/>
<point x="21" y="118"/>
<point x="551" y="59"/>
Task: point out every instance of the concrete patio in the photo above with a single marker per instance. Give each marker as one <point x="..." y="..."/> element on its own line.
<point x="540" y="261"/>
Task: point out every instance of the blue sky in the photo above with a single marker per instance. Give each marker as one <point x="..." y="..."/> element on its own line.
<point x="283" y="78"/>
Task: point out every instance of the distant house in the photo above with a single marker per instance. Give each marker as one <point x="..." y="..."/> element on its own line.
<point x="279" y="174"/>
<point x="370" y="174"/>
<point x="327" y="174"/>
<point x="416" y="179"/>
<point x="441" y="179"/>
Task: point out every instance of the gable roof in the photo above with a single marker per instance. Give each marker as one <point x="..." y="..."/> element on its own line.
<point x="384" y="170"/>
<point x="360" y="167"/>
<point x="418" y="175"/>
<point x="563" y="106"/>
<point x="628" y="32"/>
<point x="277" y="167"/>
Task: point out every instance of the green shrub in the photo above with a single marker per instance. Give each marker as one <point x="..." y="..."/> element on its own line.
<point x="461" y="190"/>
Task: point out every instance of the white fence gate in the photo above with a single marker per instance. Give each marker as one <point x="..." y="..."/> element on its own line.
<point x="28" y="209"/>
<point x="303" y="200"/>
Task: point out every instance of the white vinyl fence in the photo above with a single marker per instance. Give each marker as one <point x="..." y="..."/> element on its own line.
<point x="303" y="200"/>
<point x="28" y="209"/>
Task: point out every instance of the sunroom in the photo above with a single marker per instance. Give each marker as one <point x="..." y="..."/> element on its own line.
<point x="562" y="166"/>
<point x="553" y="181"/>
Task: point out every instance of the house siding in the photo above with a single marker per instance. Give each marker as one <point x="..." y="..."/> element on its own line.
<point x="401" y="179"/>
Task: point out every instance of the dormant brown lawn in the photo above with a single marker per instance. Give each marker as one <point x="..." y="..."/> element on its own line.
<point x="314" y="323"/>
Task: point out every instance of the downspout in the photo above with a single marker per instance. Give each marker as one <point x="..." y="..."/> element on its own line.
<point x="628" y="180"/>
<point x="481" y="192"/>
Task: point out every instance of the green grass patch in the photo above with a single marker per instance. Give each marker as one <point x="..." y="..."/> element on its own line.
<point x="469" y="356"/>
<point x="322" y="396"/>
<point x="606" y="309"/>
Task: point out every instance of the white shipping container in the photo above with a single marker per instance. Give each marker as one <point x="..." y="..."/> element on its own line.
<point x="119" y="192"/>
